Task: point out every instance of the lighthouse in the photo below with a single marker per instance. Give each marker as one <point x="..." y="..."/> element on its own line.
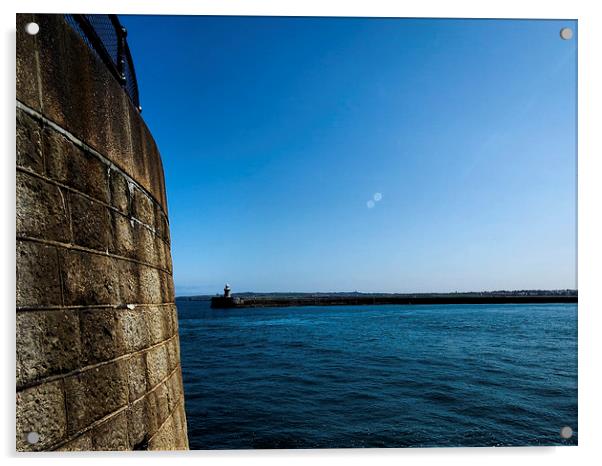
<point x="225" y="300"/>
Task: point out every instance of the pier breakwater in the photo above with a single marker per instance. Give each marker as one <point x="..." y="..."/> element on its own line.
<point x="220" y="302"/>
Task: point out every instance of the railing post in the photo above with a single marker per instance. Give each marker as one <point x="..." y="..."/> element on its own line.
<point x="121" y="51"/>
<point x="121" y="34"/>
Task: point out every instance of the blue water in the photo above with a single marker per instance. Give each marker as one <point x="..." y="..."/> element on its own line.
<point x="379" y="376"/>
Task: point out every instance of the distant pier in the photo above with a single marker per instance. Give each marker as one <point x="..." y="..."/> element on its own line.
<point x="223" y="302"/>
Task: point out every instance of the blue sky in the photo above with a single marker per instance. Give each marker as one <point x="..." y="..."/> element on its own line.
<point x="276" y="133"/>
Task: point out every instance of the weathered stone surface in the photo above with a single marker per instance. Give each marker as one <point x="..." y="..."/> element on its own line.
<point x="156" y="322"/>
<point x="160" y="223"/>
<point x="173" y="353"/>
<point x="150" y="285"/>
<point x="81" y="443"/>
<point x="179" y="416"/>
<point x="41" y="409"/>
<point x="88" y="278"/>
<point x="165" y="438"/>
<point x="38" y="280"/>
<point x="41" y="209"/>
<point x="160" y="253"/>
<point x="91" y="223"/>
<point x="123" y="242"/>
<point x="93" y="110"/>
<point x="174" y="390"/>
<point x="137" y="376"/>
<point x="138" y="425"/>
<point x="167" y="317"/>
<point x="145" y="245"/>
<point x="95" y="393"/>
<point x="111" y="435"/>
<point x="161" y="226"/>
<point x="99" y="335"/>
<point x="148" y="168"/>
<point x="120" y="191"/>
<point x="133" y="329"/>
<point x="167" y="288"/>
<point x="29" y="142"/>
<point x="129" y="281"/>
<point x="168" y="259"/>
<point x="174" y="318"/>
<point x="48" y="343"/>
<point x="74" y="167"/>
<point x="98" y="356"/>
<point x="140" y="162"/>
<point x="157" y="407"/>
<point x="157" y="365"/>
<point x="28" y="90"/>
<point x="143" y="207"/>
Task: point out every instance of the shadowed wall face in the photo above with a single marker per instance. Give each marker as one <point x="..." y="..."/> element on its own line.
<point x="98" y="365"/>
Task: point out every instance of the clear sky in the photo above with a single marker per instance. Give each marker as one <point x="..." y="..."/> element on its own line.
<point x="276" y="133"/>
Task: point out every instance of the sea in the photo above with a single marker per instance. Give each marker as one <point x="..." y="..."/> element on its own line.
<point x="379" y="376"/>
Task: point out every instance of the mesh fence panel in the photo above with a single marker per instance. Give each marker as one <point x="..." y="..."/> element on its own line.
<point x="106" y="37"/>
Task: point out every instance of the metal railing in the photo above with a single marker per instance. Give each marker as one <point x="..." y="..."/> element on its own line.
<point x="105" y="35"/>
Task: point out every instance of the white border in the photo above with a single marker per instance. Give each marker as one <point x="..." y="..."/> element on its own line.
<point x="590" y="212"/>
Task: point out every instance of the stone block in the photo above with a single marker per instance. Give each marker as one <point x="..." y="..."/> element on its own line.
<point x="173" y="353"/>
<point x="152" y="413"/>
<point x="157" y="331"/>
<point x="137" y="376"/>
<point x="38" y="282"/>
<point x="148" y="167"/>
<point x="144" y="240"/>
<point x="179" y="416"/>
<point x="75" y="167"/>
<point x="162" y="226"/>
<point x="150" y="290"/>
<point x="140" y="162"/>
<point x="168" y="259"/>
<point x="29" y="142"/>
<point x="99" y="335"/>
<point x="41" y="409"/>
<point x="123" y="241"/>
<point x="48" y="343"/>
<point x="173" y="315"/>
<point x="81" y="443"/>
<point x="166" y="312"/>
<point x="157" y="365"/>
<point x="28" y="89"/>
<point x="174" y="390"/>
<point x="158" y="214"/>
<point x="160" y="255"/>
<point x="95" y="393"/>
<point x="120" y="191"/>
<point x="165" y="438"/>
<point x="129" y="281"/>
<point x="91" y="223"/>
<point x="111" y="435"/>
<point x="42" y="210"/>
<point x="143" y="207"/>
<point x="167" y="288"/>
<point x="157" y="407"/>
<point x="138" y="425"/>
<point x="88" y="279"/>
<point x="132" y="329"/>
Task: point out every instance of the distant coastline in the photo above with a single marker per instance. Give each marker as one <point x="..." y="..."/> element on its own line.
<point x="246" y="300"/>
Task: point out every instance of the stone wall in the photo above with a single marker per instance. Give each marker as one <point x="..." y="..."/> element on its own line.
<point x="98" y="364"/>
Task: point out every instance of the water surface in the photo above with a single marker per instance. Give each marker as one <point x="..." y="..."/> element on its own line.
<point x="379" y="376"/>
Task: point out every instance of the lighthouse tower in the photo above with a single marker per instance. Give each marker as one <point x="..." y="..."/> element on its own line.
<point x="226" y="300"/>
